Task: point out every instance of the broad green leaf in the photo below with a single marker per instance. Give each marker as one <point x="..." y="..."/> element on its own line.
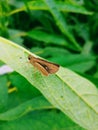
<point x="47" y="38"/>
<point x="38" y="103"/>
<point x="78" y="62"/>
<point x="37" y="120"/>
<point x="20" y="91"/>
<point x="65" y="90"/>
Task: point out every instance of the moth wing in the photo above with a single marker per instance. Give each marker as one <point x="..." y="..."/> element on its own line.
<point x="41" y="69"/>
<point x="49" y="67"/>
<point x="53" y="68"/>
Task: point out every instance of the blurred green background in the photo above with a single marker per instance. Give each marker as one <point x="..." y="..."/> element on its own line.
<point x="61" y="31"/>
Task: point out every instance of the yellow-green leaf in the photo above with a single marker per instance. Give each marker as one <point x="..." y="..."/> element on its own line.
<point x="72" y="94"/>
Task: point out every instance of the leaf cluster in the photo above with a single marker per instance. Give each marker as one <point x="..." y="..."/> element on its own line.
<point x="61" y="31"/>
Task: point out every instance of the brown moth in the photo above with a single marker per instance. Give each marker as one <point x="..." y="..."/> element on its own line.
<point x="43" y="66"/>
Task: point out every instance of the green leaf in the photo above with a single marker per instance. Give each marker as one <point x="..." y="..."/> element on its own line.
<point x="72" y="94"/>
<point x="30" y="105"/>
<point x="62" y="6"/>
<point x="47" y="38"/>
<point x="37" y="120"/>
<point x="78" y="62"/>
<point x="61" y="23"/>
<point x="15" y="36"/>
<point x="3" y="92"/>
<point x="25" y="89"/>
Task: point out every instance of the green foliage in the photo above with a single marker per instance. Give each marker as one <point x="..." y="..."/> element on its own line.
<point x="61" y="31"/>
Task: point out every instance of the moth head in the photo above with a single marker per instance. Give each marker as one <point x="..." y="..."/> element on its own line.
<point x="29" y="57"/>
